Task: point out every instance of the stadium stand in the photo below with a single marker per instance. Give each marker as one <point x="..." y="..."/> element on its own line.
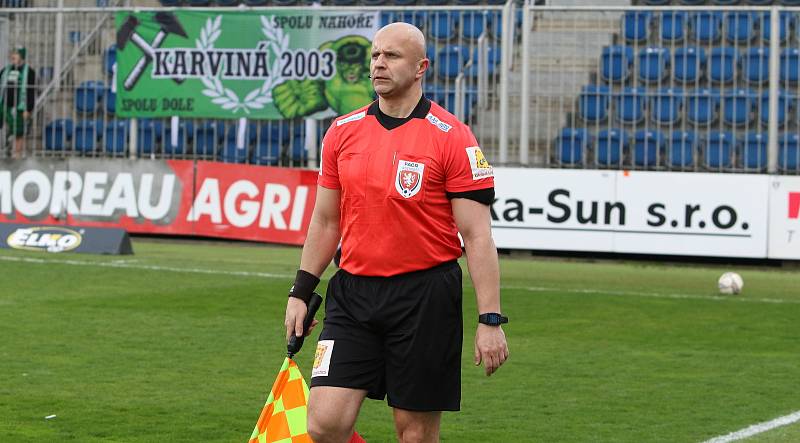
<point x="686" y="89"/>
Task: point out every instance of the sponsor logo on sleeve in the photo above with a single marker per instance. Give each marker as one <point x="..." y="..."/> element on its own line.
<point x="438" y="123"/>
<point x="352" y="118"/>
<point x="480" y="166"/>
<point x="322" y="359"/>
<point x="408" y="180"/>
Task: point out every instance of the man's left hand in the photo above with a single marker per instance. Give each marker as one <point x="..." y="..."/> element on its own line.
<point x="490" y="347"/>
<point x="26" y="115"/>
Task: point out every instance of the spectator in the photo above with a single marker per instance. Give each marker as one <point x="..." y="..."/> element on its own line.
<point x="16" y="102"/>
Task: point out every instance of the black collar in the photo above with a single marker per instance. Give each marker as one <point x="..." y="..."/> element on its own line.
<point x="389" y="122"/>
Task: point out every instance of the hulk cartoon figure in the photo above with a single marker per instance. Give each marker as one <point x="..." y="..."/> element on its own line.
<point x="348" y="90"/>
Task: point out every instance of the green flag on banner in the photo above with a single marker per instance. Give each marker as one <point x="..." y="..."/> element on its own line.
<point x="275" y="64"/>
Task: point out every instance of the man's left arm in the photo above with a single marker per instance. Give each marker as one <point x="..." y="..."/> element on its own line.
<point x="473" y="222"/>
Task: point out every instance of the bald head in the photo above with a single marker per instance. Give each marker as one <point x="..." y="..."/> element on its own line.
<point x="404" y="35"/>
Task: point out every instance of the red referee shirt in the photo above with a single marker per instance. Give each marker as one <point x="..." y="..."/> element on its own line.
<point x="395" y="176"/>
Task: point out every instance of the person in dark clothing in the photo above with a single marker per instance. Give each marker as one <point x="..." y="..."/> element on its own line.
<point x="16" y="100"/>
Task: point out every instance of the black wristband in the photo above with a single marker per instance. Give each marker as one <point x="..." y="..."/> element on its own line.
<point x="304" y="285"/>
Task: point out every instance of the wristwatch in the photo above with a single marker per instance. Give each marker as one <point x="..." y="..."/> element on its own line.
<point x="492" y="319"/>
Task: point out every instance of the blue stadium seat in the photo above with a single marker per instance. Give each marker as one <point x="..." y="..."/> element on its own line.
<point x="789" y="152"/>
<point x="467" y="2"/>
<point x="208" y="138"/>
<point x="170" y="3"/>
<point x="692" y="2"/>
<point x="496" y="22"/>
<point x="198" y="2"/>
<point x="231" y="153"/>
<point x="647" y="148"/>
<point x="753" y="151"/>
<point x="657" y="2"/>
<point x="755" y="65"/>
<point x="636" y="25"/>
<point x="473" y="24"/>
<point x="653" y="64"/>
<point x="451" y="60"/>
<point x="610" y="147"/>
<point x="718" y="149"/>
<point x="227" y="2"/>
<point x="116" y="139"/>
<point x="256" y="2"/>
<point x="57" y="133"/>
<point x="87" y="132"/>
<point x="571" y="146"/>
<point x="630" y="105"/>
<point x="442" y="25"/>
<point x="184" y="128"/>
<point x="111" y="102"/>
<point x="688" y="63"/>
<point x="701" y="106"/>
<point x="722" y="64"/>
<point x="706" y="26"/>
<point x="297" y="150"/>
<point x="785" y="106"/>
<point x="737" y="106"/>
<point x="673" y="25"/>
<point x="88" y="95"/>
<point x="616" y="63"/>
<point x="593" y="103"/>
<point x="786" y="22"/>
<point x="149" y="135"/>
<point x="725" y="2"/>
<point x="492" y="57"/>
<point x="790" y="2"/>
<point x="681" y="146"/>
<point x="109" y="59"/>
<point x="740" y="26"/>
<point x="666" y="106"/>
<point x="250" y="134"/>
<point x="273" y="136"/>
<point x="790" y="65"/>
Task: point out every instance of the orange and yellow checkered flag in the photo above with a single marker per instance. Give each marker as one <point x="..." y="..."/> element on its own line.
<point x="283" y="419"/>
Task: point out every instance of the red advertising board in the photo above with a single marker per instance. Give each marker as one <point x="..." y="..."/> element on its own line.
<point x="180" y="197"/>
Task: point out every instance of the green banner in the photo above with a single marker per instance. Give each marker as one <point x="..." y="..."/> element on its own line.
<point x="276" y="64"/>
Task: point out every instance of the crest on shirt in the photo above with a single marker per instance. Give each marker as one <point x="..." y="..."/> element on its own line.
<point x="480" y="166"/>
<point x="408" y="180"/>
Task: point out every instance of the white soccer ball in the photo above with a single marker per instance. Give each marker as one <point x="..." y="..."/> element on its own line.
<point x="730" y="283"/>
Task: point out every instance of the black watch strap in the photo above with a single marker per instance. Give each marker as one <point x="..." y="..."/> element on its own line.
<point x="492" y="319"/>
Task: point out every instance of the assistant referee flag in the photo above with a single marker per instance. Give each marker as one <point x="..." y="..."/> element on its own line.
<point x="283" y="419"/>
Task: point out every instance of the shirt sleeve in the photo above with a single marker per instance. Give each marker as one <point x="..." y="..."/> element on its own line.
<point x="466" y="168"/>
<point x="329" y="169"/>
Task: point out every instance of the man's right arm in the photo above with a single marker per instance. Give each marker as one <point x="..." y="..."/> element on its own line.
<point x="320" y="246"/>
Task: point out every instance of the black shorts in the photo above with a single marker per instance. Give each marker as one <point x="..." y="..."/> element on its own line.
<point x="396" y="336"/>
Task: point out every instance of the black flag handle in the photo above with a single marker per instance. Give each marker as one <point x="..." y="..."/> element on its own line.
<point x="295" y="343"/>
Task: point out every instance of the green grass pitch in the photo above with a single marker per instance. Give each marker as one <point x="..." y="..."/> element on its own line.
<point x="171" y="345"/>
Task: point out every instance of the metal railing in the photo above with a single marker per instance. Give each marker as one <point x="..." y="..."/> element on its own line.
<point x="72" y="51"/>
<point x="660" y="88"/>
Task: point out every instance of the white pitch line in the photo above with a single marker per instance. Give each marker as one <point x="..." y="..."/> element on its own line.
<point x="757" y="428"/>
<point x="654" y="295"/>
<point x="128" y="265"/>
<point x="131" y="265"/>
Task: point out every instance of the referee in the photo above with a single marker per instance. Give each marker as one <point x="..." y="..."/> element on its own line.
<point x="399" y="179"/>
